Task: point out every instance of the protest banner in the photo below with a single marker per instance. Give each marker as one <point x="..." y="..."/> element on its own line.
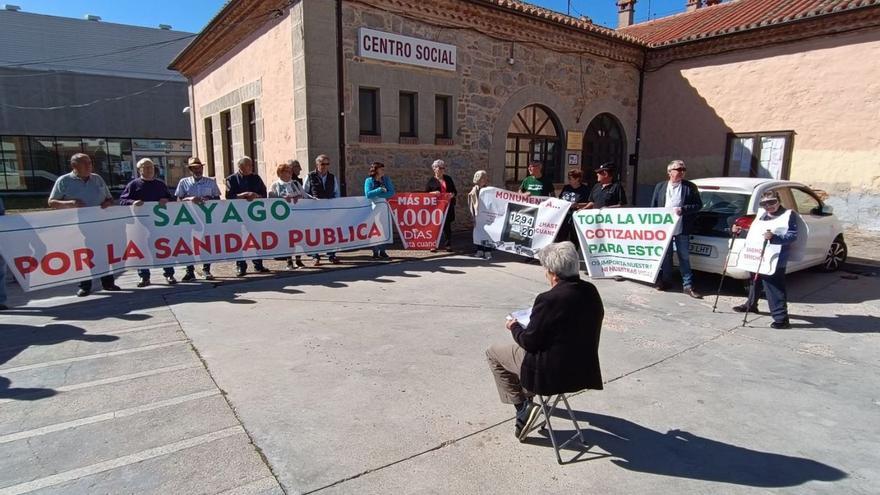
<point x="750" y="256"/>
<point x="419" y="218"/>
<point x="517" y="223"/>
<point x="625" y="242"/>
<point x="51" y="248"/>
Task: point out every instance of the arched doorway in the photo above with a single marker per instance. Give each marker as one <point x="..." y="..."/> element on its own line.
<point x="533" y="135"/>
<point x="603" y="142"/>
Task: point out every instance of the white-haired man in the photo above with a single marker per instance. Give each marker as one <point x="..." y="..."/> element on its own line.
<point x="147" y="188"/>
<point x="321" y="184"/>
<point x="558" y="350"/>
<point x="80" y="189"/>
<point x="683" y="197"/>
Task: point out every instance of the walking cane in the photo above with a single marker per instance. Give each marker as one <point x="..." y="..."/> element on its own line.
<point x="724" y="271"/>
<point x="755" y="281"/>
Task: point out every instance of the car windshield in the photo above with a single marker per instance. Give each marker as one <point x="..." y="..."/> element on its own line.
<point x="720" y="210"/>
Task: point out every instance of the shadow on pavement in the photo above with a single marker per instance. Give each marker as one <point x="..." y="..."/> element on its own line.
<point x="685" y="455"/>
<point x="840" y="323"/>
<point x="16" y="338"/>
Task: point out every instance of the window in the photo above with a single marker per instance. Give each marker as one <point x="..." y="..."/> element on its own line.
<point x="533" y="135"/>
<point x="226" y="126"/>
<point x="759" y="154"/>
<point x="805" y="203"/>
<point x="603" y="143"/>
<point x="408" y="115"/>
<point x="14" y="163"/>
<point x="122" y="170"/>
<point x="209" y="146"/>
<point x="250" y="116"/>
<point x="442" y="129"/>
<point x="368" y="108"/>
<point x="97" y="151"/>
<point x="46" y="163"/>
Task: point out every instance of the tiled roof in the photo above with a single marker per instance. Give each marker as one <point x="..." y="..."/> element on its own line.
<point x="734" y="16"/>
<point x="44" y="42"/>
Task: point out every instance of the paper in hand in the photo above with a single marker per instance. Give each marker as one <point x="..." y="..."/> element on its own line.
<point x="522" y="316"/>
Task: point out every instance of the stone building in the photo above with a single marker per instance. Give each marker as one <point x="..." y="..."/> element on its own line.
<point x="490" y="84"/>
<point x="516" y="82"/>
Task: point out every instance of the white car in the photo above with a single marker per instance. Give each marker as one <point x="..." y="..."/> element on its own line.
<point x="734" y="200"/>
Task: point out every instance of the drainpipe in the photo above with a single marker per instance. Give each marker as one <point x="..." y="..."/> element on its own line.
<point x="635" y="161"/>
<point x="340" y="97"/>
<point x="192" y="116"/>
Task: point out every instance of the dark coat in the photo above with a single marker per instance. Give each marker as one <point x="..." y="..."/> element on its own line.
<point x="562" y="339"/>
<point x="434" y="185"/>
<point x="237" y="184"/>
<point x="691" y="204"/>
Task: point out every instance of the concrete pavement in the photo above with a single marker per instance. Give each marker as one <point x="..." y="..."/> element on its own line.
<point x="373" y="380"/>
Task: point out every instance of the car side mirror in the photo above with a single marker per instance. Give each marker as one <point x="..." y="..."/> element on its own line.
<point x="823" y="210"/>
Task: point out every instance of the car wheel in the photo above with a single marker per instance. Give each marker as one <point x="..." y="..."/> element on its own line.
<point x="836" y="255"/>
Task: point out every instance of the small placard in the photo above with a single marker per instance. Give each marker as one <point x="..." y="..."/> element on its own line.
<point x="573" y="158"/>
<point x="575" y="140"/>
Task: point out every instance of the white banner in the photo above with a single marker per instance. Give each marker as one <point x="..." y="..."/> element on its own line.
<point x="751" y="253"/>
<point x="51" y="248"/>
<point x="625" y="242"/>
<point x="517" y="223"/>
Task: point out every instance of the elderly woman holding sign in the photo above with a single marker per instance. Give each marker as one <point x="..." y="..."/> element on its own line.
<point x="776" y="225"/>
<point x="441" y="183"/>
<point x="378" y="185"/>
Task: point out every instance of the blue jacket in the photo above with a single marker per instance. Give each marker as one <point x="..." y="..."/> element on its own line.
<point x="373" y="188"/>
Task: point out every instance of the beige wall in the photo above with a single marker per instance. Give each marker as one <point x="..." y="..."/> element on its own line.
<point x="826" y="90"/>
<point x="259" y="69"/>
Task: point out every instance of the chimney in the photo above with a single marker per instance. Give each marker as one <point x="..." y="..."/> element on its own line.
<point x="166" y="27"/>
<point x="12" y="8"/>
<point x="90" y="17"/>
<point x="625" y="13"/>
<point x="693" y="5"/>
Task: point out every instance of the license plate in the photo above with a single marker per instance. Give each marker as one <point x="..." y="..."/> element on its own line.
<point x="700" y="249"/>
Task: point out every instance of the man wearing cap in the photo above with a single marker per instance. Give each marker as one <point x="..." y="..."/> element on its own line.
<point x="536" y="184"/>
<point x="607" y="193"/>
<point x="245" y="184"/>
<point x="197" y="189"/>
<point x="79" y="189"/>
<point x="780" y="227"/>
<point x="684" y="198"/>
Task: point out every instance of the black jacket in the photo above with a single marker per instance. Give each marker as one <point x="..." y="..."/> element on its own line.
<point x="691" y="203"/>
<point x="237" y="184"/>
<point x="434" y="185"/>
<point x="562" y="339"/>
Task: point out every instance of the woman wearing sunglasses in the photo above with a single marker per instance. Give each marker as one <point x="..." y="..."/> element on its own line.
<point x="780" y="227"/>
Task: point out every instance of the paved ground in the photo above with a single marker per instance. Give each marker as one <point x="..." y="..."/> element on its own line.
<point x="372" y="379"/>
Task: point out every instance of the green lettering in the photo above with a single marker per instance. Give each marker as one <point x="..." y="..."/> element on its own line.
<point x="208" y="210"/>
<point x="283" y="206"/>
<point x="254" y="214"/>
<point x="231" y="213"/>
<point x="184" y="216"/>
<point x="159" y="211"/>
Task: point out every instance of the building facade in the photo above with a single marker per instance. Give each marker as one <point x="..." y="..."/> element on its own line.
<point x="74" y="85"/>
<point x="481" y="85"/>
<point x="744" y="87"/>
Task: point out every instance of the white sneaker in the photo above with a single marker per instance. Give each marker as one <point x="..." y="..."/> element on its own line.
<point x="487" y="255"/>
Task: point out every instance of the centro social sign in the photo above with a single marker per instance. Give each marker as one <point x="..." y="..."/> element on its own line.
<point x="405" y="50"/>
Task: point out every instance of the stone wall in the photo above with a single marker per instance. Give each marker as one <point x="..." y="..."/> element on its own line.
<point x="487" y="90"/>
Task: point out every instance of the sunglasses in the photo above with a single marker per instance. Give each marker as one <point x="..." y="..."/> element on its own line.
<point x="325" y="163"/>
<point x="769" y="202"/>
<point x="677" y="169"/>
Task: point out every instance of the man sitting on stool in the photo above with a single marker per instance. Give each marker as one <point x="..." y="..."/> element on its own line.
<point x="558" y="351"/>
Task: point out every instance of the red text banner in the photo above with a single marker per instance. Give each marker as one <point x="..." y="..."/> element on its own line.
<point x="419" y="218"/>
<point x="51" y="248"/>
<point x="625" y="242"/>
